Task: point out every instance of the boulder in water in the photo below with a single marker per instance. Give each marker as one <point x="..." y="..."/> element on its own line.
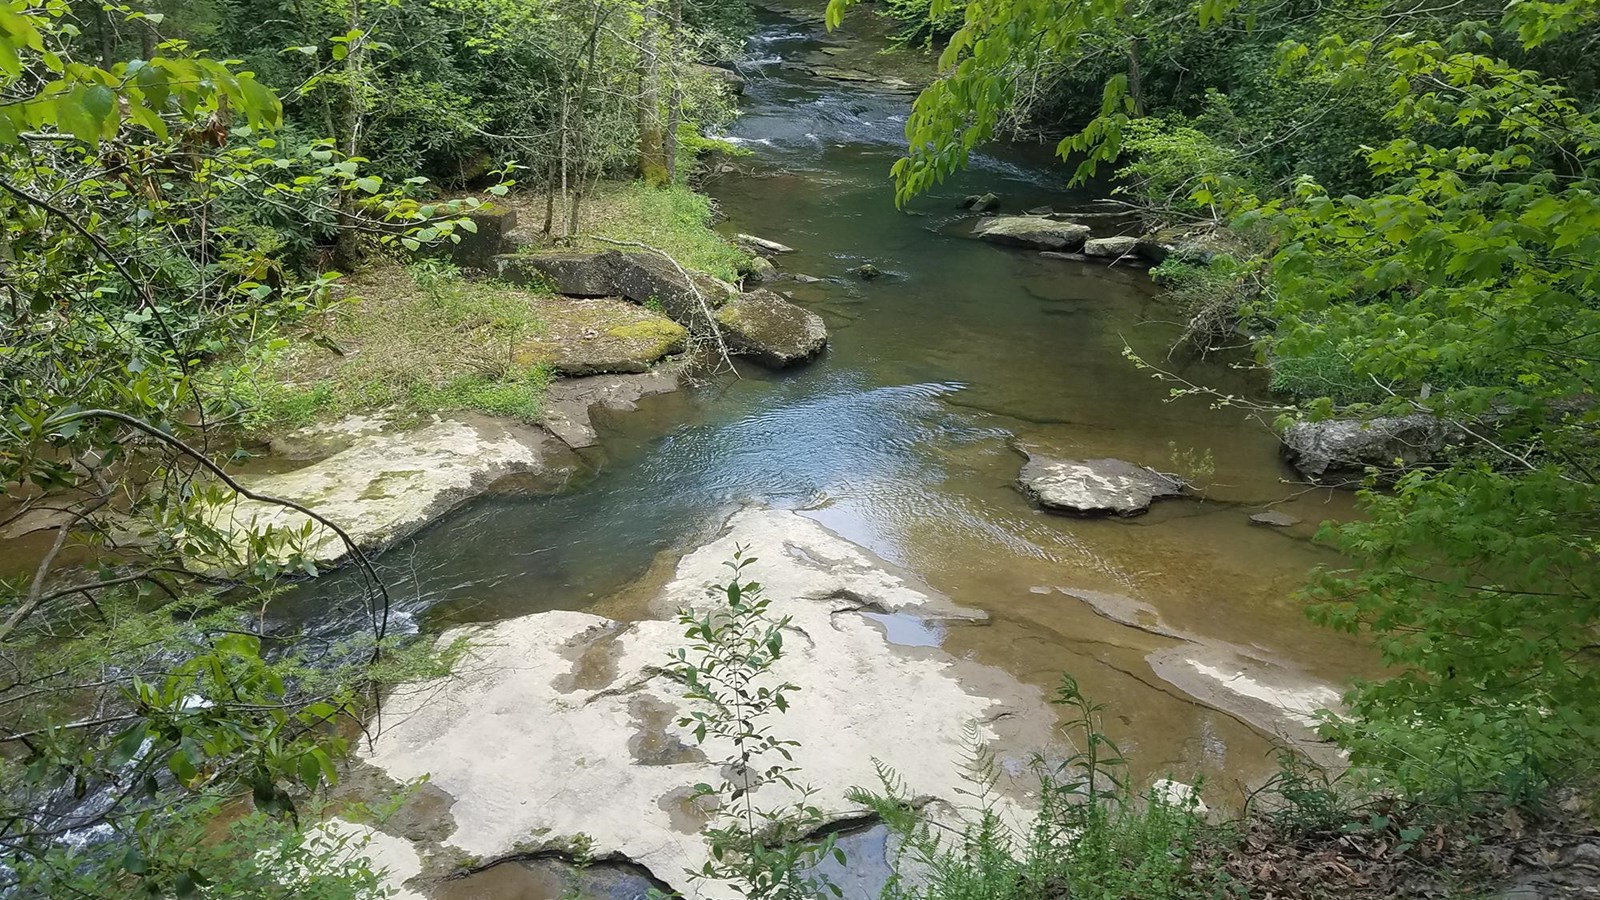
<point x="1274" y="519"/>
<point x="1034" y="232"/>
<point x="981" y="203"/>
<point x="867" y="272"/>
<point x="1090" y="487"/>
<point x="771" y="330"/>
<point x="1110" y="247"/>
<point x="760" y="270"/>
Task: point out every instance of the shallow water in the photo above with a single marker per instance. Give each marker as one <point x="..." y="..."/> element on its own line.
<point x="904" y="438"/>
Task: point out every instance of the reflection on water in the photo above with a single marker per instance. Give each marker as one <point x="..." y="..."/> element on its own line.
<point x="905" y="438"/>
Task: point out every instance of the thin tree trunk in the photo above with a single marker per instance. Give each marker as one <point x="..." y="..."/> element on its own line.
<point x="675" y="92"/>
<point x="1135" y="78"/>
<point x="652" y="161"/>
<point x="347" y="249"/>
<point x="581" y="118"/>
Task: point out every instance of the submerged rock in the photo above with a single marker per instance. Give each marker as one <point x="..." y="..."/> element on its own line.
<point x="567" y="406"/>
<point x="565" y="723"/>
<point x="771" y="330"/>
<point x="866" y="272"/>
<point x="1345" y="448"/>
<point x="1094" y="486"/>
<point x="1032" y="231"/>
<point x="1274" y="519"/>
<point x="1112" y="247"/>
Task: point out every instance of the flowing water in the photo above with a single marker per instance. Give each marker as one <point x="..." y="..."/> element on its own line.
<point x="904" y="438"/>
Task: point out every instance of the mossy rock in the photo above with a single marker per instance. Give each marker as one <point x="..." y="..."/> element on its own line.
<point x="594" y="337"/>
<point x="771" y="330"/>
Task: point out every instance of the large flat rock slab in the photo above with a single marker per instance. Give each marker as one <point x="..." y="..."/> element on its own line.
<point x="601" y="336"/>
<point x="1094" y="487"/>
<point x="387" y="484"/>
<point x="564" y="723"/>
<point x="1033" y="232"/>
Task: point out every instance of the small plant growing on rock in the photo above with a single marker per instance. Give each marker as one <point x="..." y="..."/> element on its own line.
<point x="763" y="852"/>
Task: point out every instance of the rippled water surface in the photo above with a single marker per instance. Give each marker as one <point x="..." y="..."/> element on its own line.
<point x="904" y="437"/>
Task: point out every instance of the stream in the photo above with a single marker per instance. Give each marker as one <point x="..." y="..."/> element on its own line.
<point x="904" y="438"/>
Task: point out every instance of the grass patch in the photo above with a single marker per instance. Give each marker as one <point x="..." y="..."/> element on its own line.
<point x="417" y="339"/>
<point x="673" y="219"/>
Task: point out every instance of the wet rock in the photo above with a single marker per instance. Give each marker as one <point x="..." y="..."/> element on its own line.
<point x="760" y="270"/>
<point x="1094" y="486"/>
<point x="762" y="246"/>
<point x="981" y="203"/>
<point x="801" y="278"/>
<point x="386" y="485"/>
<point x="1044" y="211"/>
<point x="532" y="759"/>
<point x="866" y="272"/>
<point x="1110" y="247"/>
<point x="771" y="330"/>
<point x="595" y="337"/>
<point x="569" y="401"/>
<point x="1275" y="519"/>
<point x="1345" y="448"/>
<point x="1032" y="231"/>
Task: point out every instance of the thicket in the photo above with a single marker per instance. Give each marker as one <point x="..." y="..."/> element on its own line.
<point x="1412" y="190"/>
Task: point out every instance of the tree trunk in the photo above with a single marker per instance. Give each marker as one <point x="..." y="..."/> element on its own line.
<point x="580" y="130"/>
<point x="652" y="159"/>
<point x="347" y="247"/>
<point x="1135" y="78"/>
<point x="675" y="91"/>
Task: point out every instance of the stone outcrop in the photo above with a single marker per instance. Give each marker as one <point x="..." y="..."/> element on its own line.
<point x="1034" y="232"/>
<point x="1089" y="487"/>
<point x="477" y="249"/>
<point x="1345" y="448"/>
<point x="771" y="330"/>
<point x="1110" y="247"/>
<point x="758" y="324"/>
<point x="640" y="277"/>
<point x="565" y="723"/>
<point x="388" y="483"/>
<point x="594" y="337"/>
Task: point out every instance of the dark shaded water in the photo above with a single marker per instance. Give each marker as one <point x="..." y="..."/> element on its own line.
<point x="903" y="436"/>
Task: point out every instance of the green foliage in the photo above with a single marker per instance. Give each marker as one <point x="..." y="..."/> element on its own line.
<point x="1092" y="838"/>
<point x="760" y="851"/>
<point x="1423" y="184"/>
